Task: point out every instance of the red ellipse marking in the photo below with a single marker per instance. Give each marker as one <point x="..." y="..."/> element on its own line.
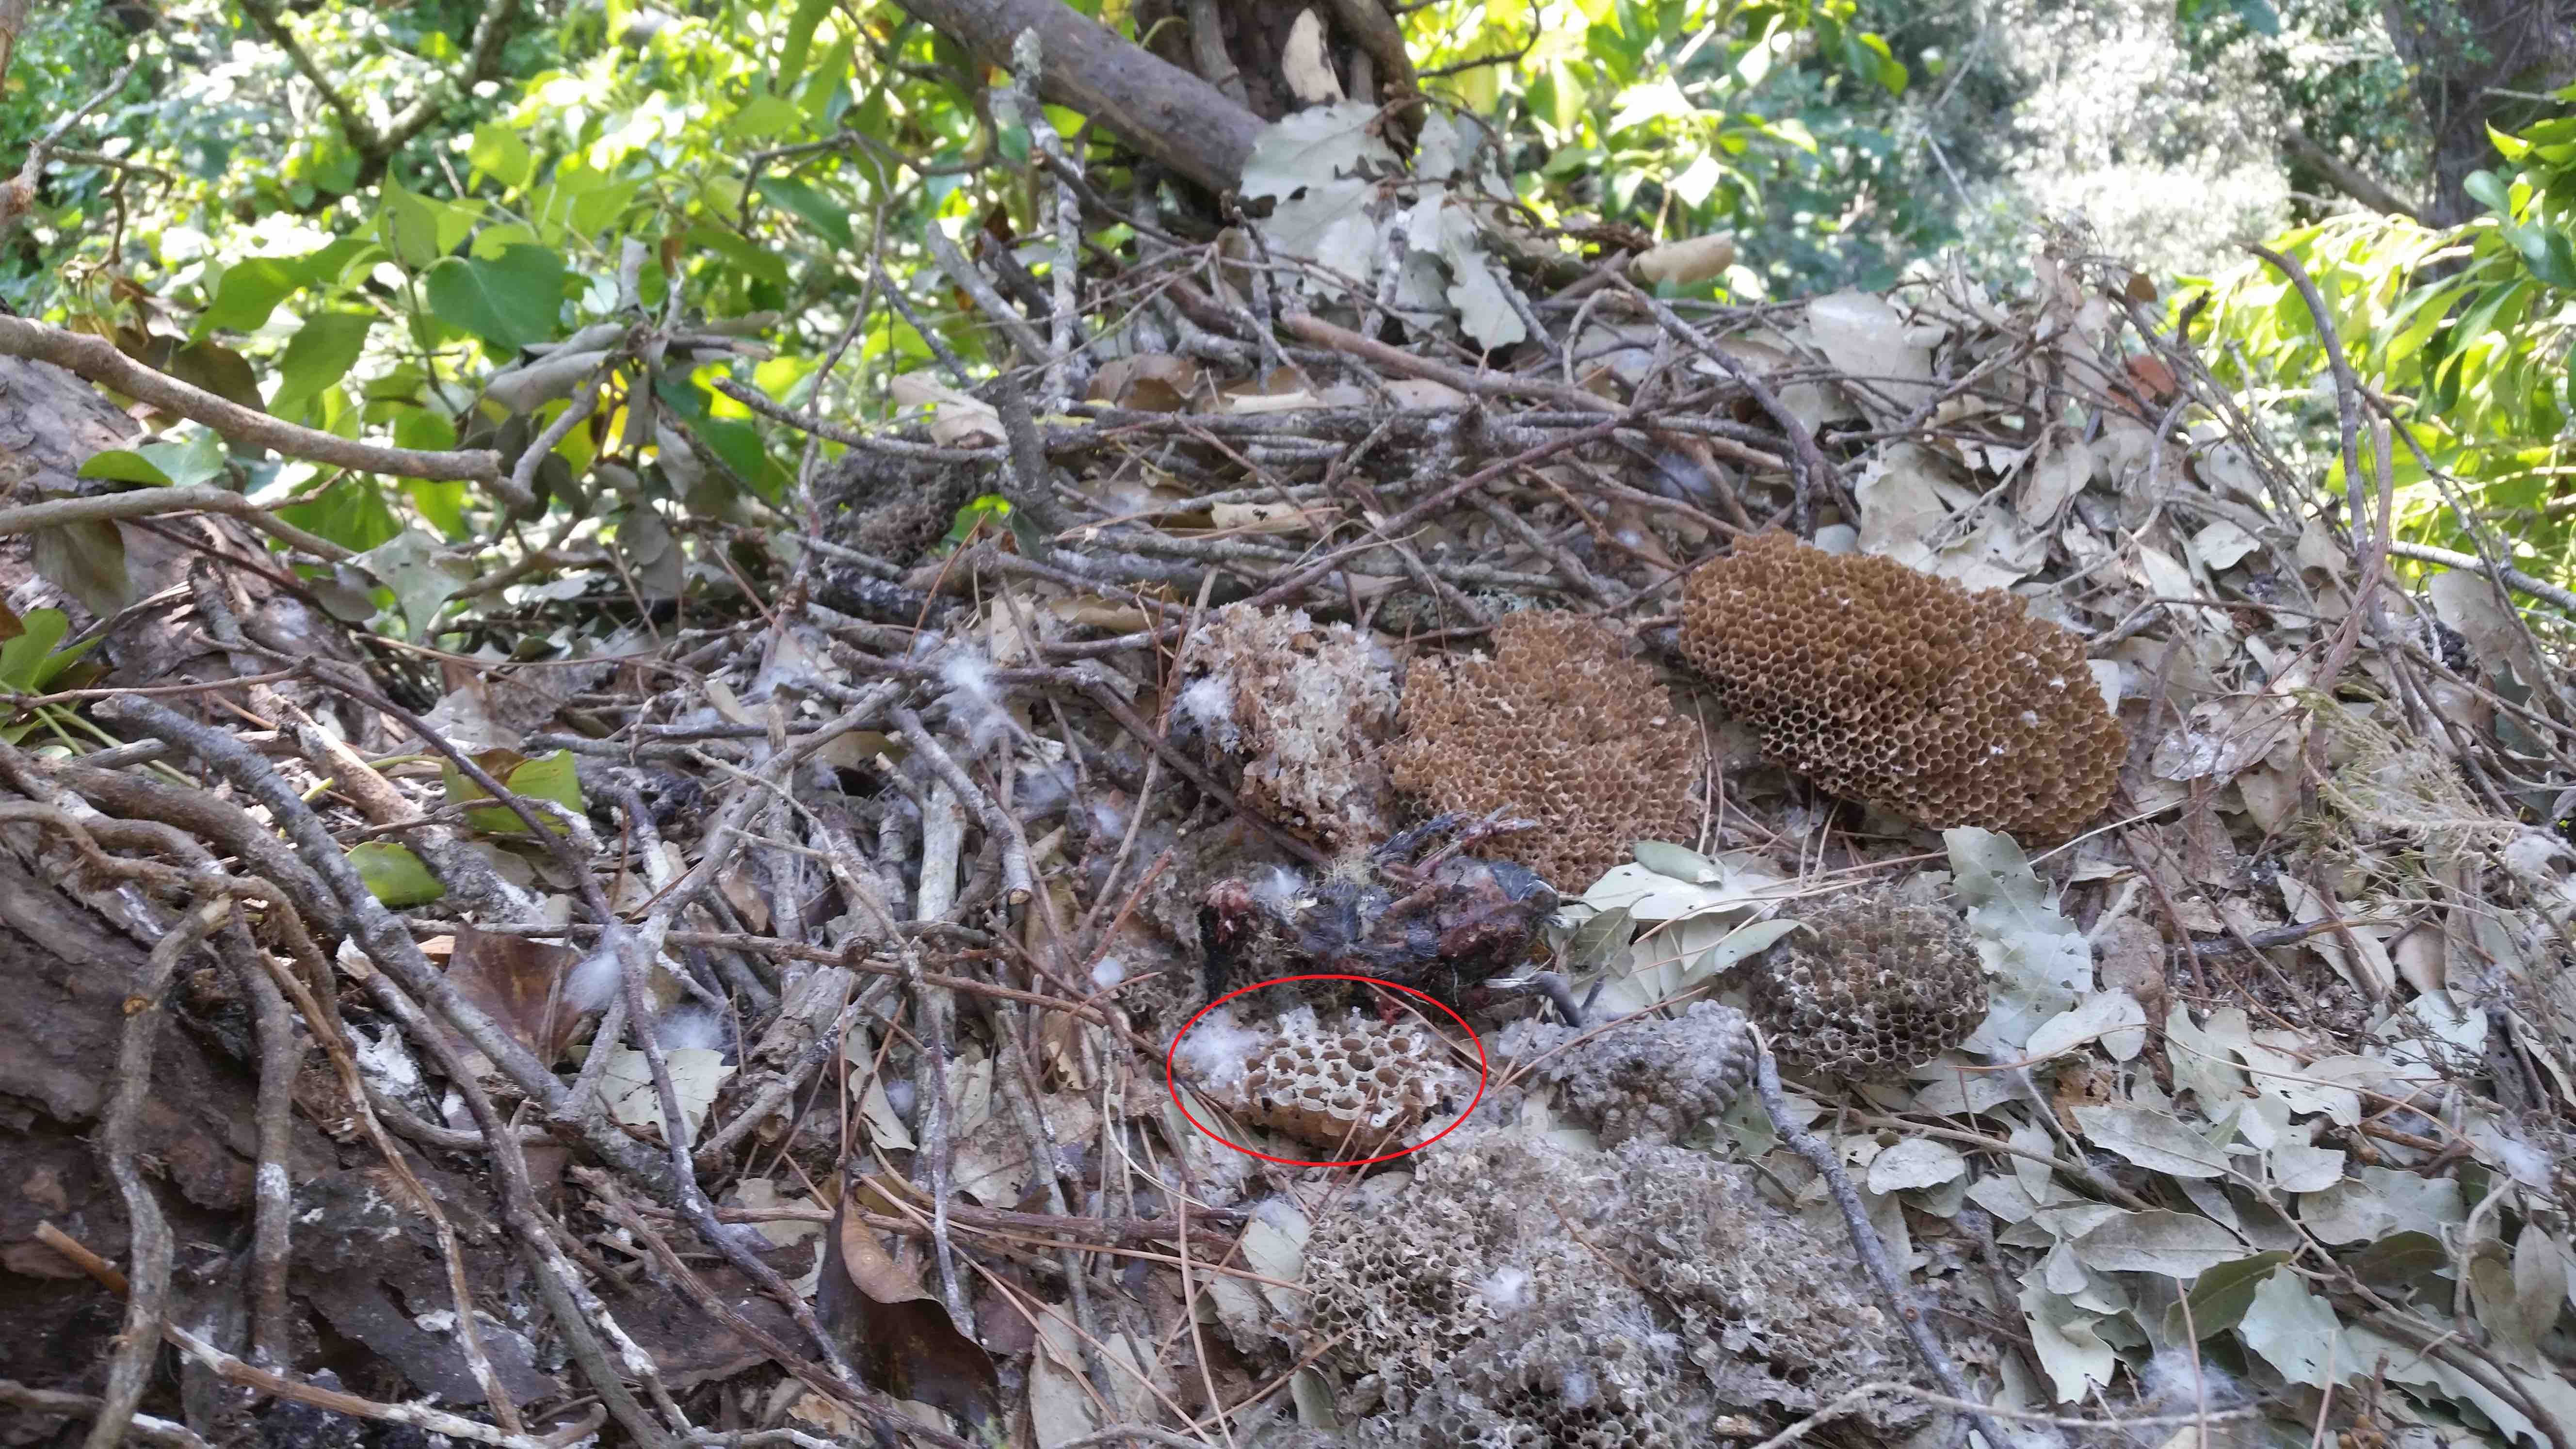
<point x="1171" y="1082"/>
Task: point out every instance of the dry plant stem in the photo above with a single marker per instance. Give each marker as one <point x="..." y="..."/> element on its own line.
<point x="1865" y="1241"/>
<point x="142" y="1427"/>
<point x="1118" y="709"/>
<point x="226" y="825"/>
<point x="575" y="1310"/>
<point x="158" y="502"/>
<point x="2511" y="578"/>
<point x="1812" y="472"/>
<point x="943" y="836"/>
<point x="407" y="1013"/>
<point x="97" y="360"/>
<point x="1019" y="1090"/>
<point x="1018" y="882"/>
<point x="272" y="1193"/>
<point x="520" y="490"/>
<point x="712" y="1152"/>
<point x="147" y="1300"/>
<point x="2374" y="542"/>
<point x="419" y="1416"/>
<point x="834" y="1377"/>
<point x="379" y="933"/>
<point x="991" y="302"/>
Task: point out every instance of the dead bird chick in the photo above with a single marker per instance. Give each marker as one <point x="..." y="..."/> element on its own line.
<point x="1444" y="923"/>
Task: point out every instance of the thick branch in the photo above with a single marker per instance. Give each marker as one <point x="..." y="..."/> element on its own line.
<point x="155" y="502"/>
<point x="2344" y="176"/>
<point x="96" y="359"/>
<point x="1155" y="106"/>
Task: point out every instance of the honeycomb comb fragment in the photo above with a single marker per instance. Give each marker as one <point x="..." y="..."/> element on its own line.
<point x="1873" y="986"/>
<point x="1352" y="1088"/>
<point x="1885" y="685"/>
<point x="1559" y="726"/>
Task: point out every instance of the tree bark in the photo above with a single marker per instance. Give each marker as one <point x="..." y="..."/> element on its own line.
<point x="2346" y="177"/>
<point x="1160" y="109"/>
<point x="2464" y="55"/>
<point x="50" y="424"/>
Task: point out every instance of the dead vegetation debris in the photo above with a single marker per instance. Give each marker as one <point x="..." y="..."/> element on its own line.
<point x="751" y="1027"/>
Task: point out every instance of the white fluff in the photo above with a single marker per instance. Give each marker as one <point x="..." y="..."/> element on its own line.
<point x="1107" y="821"/>
<point x="1043" y="788"/>
<point x="690" y="1026"/>
<point x="593" y="981"/>
<point x="974" y="698"/>
<point x="1279" y="888"/>
<point x="898" y="1095"/>
<point x="1108" y="972"/>
<point x="1217" y="1049"/>
<point x="2168" y="1384"/>
<point x="1578" y="1389"/>
<point x="1507" y="1290"/>
<point x="1208" y="702"/>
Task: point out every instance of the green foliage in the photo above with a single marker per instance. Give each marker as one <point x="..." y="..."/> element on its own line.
<point x="393" y="875"/>
<point x="2468" y="331"/>
<point x="1684" y="117"/>
<point x="547" y="777"/>
<point x="2326" y="67"/>
<point x="33" y="659"/>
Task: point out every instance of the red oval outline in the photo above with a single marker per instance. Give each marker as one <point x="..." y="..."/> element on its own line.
<point x="1484" y="1070"/>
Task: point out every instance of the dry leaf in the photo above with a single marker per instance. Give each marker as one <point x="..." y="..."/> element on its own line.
<point x="1308" y="70"/>
<point x="898" y="1332"/>
<point x="1686" y="263"/>
<point x="957" y="420"/>
<point x="1154" y="382"/>
<point x="519" y="983"/>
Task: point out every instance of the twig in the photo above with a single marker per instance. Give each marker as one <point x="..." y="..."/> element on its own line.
<point x="156" y="502"/>
<point x="1865" y="1241"/>
<point x="147" y="1300"/>
<point x="143" y="1427"/>
<point x="1018" y="882"/>
<point x="97" y="360"/>
<point x="2512" y="578"/>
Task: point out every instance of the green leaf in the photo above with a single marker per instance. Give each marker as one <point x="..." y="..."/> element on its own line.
<point x="333" y="265"/>
<point x="123" y="465"/>
<point x="408" y="225"/>
<point x="2220" y="1296"/>
<point x="394" y="875"/>
<point x="21" y="657"/>
<point x="800" y="40"/>
<point x="409" y="563"/>
<point x="511" y="303"/>
<point x="87" y="561"/>
<point x="2546" y="251"/>
<point x="351" y="513"/>
<point x="548" y="777"/>
<point x="2259" y="17"/>
<point x="200" y="458"/>
<point x="751" y="260"/>
<point x="321" y="353"/>
<point x="764" y="116"/>
<point x="492" y="241"/>
<point x="218" y="369"/>
<point x="498" y="152"/>
<point x="819" y="211"/>
<point x="2488" y="190"/>
<point x="249" y="292"/>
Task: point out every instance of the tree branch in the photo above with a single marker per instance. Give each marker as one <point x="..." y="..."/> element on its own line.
<point x="2344" y="176"/>
<point x="97" y="360"/>
<point x="1155" y="106"/>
